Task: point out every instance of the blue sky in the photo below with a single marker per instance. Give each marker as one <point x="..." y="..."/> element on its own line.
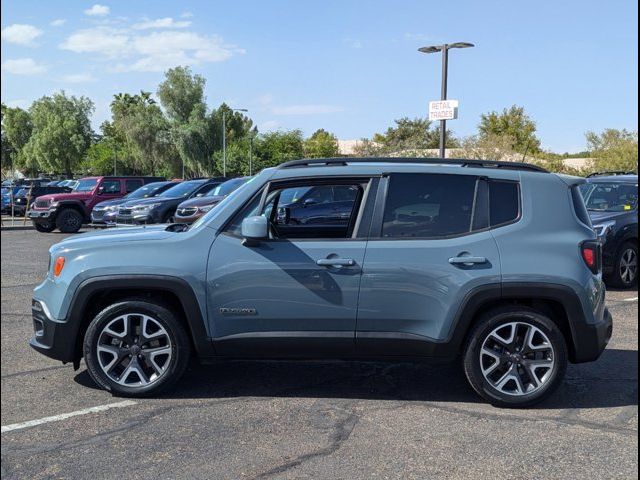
<point x="347" y="66"/>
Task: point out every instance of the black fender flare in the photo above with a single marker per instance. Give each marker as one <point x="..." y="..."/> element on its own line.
<point x="195" y="321"/>
<point x="76" y="204"/>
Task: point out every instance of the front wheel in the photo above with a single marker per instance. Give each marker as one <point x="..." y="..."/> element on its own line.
<point x="44" y="227"/>
<point x="69" y="220"/>
<point x="515" y="357"/>
<point x="136" y="348"/>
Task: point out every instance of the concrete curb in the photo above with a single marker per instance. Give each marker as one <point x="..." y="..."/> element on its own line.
<point x="17" y="227"/>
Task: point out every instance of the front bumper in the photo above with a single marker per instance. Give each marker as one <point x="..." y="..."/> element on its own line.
<point x="51" y="338"/>
<point x="36" y="214"/>
<point x="590" y="340"/>
<point x="134" y="219"/>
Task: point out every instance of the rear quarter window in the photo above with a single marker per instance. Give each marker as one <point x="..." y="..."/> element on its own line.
<point x="504" y="202"/>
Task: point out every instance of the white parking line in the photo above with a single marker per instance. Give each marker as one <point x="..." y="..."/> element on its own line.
<point x="634" y="299"/>
<point x="64" y="416"/>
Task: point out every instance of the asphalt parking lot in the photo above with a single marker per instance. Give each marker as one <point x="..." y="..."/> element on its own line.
<point x="305" y="420"/>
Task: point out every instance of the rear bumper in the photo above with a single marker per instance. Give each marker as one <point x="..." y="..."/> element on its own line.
<point x="590" y="340"/>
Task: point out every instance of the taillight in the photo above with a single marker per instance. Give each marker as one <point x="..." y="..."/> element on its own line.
<point x="592" y="255"/>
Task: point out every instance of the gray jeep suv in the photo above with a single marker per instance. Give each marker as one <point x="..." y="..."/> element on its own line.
<point x="494" y="263"/>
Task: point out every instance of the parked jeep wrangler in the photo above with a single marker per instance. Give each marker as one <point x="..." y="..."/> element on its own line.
<point x="494" y="263"/>
<point x="69" y="211"/>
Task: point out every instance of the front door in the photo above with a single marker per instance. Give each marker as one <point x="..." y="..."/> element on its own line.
<point x="294" y="294"/>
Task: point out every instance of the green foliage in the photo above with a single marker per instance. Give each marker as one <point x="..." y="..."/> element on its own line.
<point x="409" y="137"/>
<point x="614" y="149"/>
<point x="488" y="147"/>
<point x="321" y="144"/>
<point x="16" y="131"/>
<point x="274" y="148"/>
<point x="512" y="123"/>
<point x="61" y="132"/>
<point x="181" y="93"/>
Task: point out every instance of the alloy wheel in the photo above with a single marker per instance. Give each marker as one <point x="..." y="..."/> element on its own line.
<point x="134" y="350"/>
<point x="629" y="266"/>
<point x="517" y="358"/>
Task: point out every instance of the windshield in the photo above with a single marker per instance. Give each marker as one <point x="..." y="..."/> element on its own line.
<point x="145" y="191"/>
<point x="183" y="189"/>
<point x="610" y="197"/>
<point x="227" y="187"/>
<point x="86" y="185"/>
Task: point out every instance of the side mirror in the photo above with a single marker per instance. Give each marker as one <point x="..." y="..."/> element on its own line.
<point x="100" y="190"/>
<point x="254" y="229"/>
<point x="309" y="201"/>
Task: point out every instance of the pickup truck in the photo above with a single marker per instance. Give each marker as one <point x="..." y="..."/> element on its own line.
<point x="69" y="211"/>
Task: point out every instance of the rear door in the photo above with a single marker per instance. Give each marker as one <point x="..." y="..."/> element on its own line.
<point x="430" y="246"/>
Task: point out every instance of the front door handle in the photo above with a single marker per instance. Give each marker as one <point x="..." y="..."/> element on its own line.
<point x="336" y="262"/>
<point x="467" y="260"/>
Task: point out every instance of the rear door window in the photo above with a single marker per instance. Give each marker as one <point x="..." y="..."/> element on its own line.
<point x="110" y="186"/>
<point x="132" y="185"/>
<point x="428" y="205"/>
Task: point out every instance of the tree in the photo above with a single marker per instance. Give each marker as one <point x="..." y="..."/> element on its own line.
<point x="512" y="123"/>
<point x="321" y="144"/>
<point x="488" y="147"/>
<point x="614" y="149"/>
<point x="61" y="132"/>
<point x="181" y="93"/>
<point x="274" y="148"/>
<point x="409" y="137"/>
<point x="16" y="128"/>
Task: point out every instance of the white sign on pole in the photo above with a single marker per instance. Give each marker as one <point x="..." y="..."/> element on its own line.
<point x="443" y="110"/>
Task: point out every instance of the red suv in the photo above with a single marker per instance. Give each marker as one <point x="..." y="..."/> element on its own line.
<point x="68" y="211"/>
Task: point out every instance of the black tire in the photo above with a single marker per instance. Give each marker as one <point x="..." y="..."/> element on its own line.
<point x="44" y="227"/>
<point x="69" y="220"/>
<point x="180" y="347"/>
<point x="618" y="278"/>
<point x="503" y="316"/>
<point x="169" y="218"/>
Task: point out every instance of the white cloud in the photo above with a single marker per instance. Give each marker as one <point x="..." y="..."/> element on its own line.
<point x="21" y="34"/>
<point x="150" y="52"/>
<point x="58" y="22"/>
<point x="78" y="78"/>
<point x="106" y="41"/>
<point x="166" y="22"/>
<point x="186" y="15"/>
<point x="97" y="11"/>
<point x="23" y="66"/>
<point x="308" y="109"/>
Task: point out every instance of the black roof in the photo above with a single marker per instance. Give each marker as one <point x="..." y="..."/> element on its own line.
<point x="319" y="162"/>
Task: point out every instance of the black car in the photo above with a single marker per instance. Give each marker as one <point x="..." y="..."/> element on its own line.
<point x="612" y="201"/>
<point x="161" y="209"/>
<point x="28" y="196"/>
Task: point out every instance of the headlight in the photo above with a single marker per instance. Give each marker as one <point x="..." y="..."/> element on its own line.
<point x="145" y="208"/>
<point x="206" y="208"/>
<point x="603" y="229"/>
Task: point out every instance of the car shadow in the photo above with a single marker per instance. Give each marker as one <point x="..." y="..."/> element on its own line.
<point x="612" y="381"/>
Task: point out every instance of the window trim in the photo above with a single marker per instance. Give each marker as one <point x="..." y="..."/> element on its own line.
<point x="360" y="226"/>
<point x="381" y="200"/>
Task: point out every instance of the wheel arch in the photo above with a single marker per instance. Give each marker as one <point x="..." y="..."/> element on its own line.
<point x="560" y="303"/>
<point x="74" y="204"/>
<point x="95" y="294"/>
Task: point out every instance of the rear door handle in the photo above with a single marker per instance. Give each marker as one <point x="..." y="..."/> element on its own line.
<point x="467" y="260"/>
<point x="336" y="262"/>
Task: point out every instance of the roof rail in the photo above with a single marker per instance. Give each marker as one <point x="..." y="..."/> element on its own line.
<point x="344" y="161"/>
<point x="611" y="173"/>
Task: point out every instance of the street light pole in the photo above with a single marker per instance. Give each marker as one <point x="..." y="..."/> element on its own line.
<point x="224" y="138"/>
<point x="443" y="90"/>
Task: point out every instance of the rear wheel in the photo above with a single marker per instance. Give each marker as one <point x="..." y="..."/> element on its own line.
<point x="515" y="357"/>
<point x="69" y="220"/>
<point x="136" y="348"/>
<point x="625" y="273"/>
<point x="45" y="227"/>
